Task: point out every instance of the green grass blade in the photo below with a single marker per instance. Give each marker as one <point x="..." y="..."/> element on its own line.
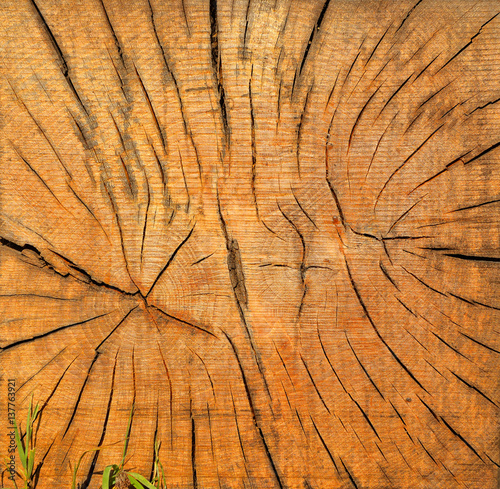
<point x="28" y="423"/>
<point x="20" y="447"/>
<point x="127" y="437"/>
<point x="141" y="479"/>
<point x="31" y="463"/>
<point x="75" y="471"/>
<point x="106" y="477"/>
<point x="33" y="419"/>
<point x="162" y="480"/>
<point x="37" y="409"/>
<point x="134" y="482"/>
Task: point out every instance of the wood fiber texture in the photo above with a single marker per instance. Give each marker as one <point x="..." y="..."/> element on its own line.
<point x="271" y="226"/>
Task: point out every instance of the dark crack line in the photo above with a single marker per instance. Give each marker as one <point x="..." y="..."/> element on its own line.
<point x="337" y="202"/>
<point x="408" y="15"/>
<point x="458" y="435"/>
<point x="89" y="211"/>
<point x="131" y="184"/>
<point x="252" y="409"/>
<point x="353" y="482"/>
<point x="332" y="189"/>
<point x="451" y="347"/>
<point x="314" y="385"/>
<point x="64" y="66"/>
<point x="427" y="452"/>
<point x="325" y="446"/>
<point x="283" y="363"/>
<point x="171" y="259"/>
<point x="473" y="257"/>
<point x="386" y="274"/>
<point x="88" y="278"/>
<point x="484" y="106"/>
<point x="185" y="181"/>
<point x="246" y="25"/>
<point x="446" y="168"/>
<point x="239" y="433"/>
<point x="45" y="184"/>
<point x="358" y="118"/>
<point x="397" y="412"/>
<point x="56" y="330"/>
<point x="202" y="259"/>
<point x="365" y="416"/>
<point x="45" y="366"/>
<point x="406" y="307"/>
<point x="453" y="107"/>
<point x="152" y="111"/>
<point x="176" y="86"/>
<point x="104" y="428"/>
<point x="350" y="69"/>
<point x="330" y="363"/>
<point x="423" y="283"/>
<point x="300" y="126"/>
<point x="155" y="440"/>
<point x="315" y="29"/>
<point x="377" y="45"/>
<point x="396" y="171"/>
<point x="206" y="369"/>
<point x="254" y="148"/>
<point x="167" y="372"/>
<point x="46" y="402"/>
<point x="479" y="343"/>
<point x="113" y="33"/>
<point x="118" y="224"/>
<point x="433" y="95"/>
<point x="113" y="330"/>
<point x="239" y="291"/>
<point x="402" y="216"/>
<point x="193" y="443"/>
<point x="474" y="302"/>
<point x="413" y="121"/>
<point x="363" y="367"/>
<point x="187" y="323"/>
<point x="468" y="44"/>
<point x="144" y="229"/>
<point x="75" y="407"/>
<point x="394" y="95"/>
<point x="217" y="68"/>
<point x="302" y="267"/>
<point x="38" y="295"/>
<point x="185" y="18"/>
<point x="20" y="224"/>
<point x="370" y="320"/>
<point x="378" y="144"/>
<point x="160" y="168"/>
<point x="476" y="205"/>
<point x="474" y="388"/>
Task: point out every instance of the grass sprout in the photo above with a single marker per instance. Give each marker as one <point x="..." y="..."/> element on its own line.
<point x="114" y="476"/>
<point x="158" y="480"/>
<point x="26" y="446"/>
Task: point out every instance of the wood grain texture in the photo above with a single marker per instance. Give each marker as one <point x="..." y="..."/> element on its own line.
<point x="269" y="226"/>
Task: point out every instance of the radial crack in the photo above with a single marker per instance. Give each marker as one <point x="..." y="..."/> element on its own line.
<point x="217" y="68"/>
<point x="370" y="320"/>
<point x="252" y="409"/>
<point x="60" y="56"/>
<point x="171" y="259"/>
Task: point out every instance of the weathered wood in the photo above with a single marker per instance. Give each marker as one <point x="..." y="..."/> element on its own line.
<point x="269" y="226"/>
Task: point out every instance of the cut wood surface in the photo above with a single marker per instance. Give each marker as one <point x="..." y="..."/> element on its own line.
<point x="270" y="226"/>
